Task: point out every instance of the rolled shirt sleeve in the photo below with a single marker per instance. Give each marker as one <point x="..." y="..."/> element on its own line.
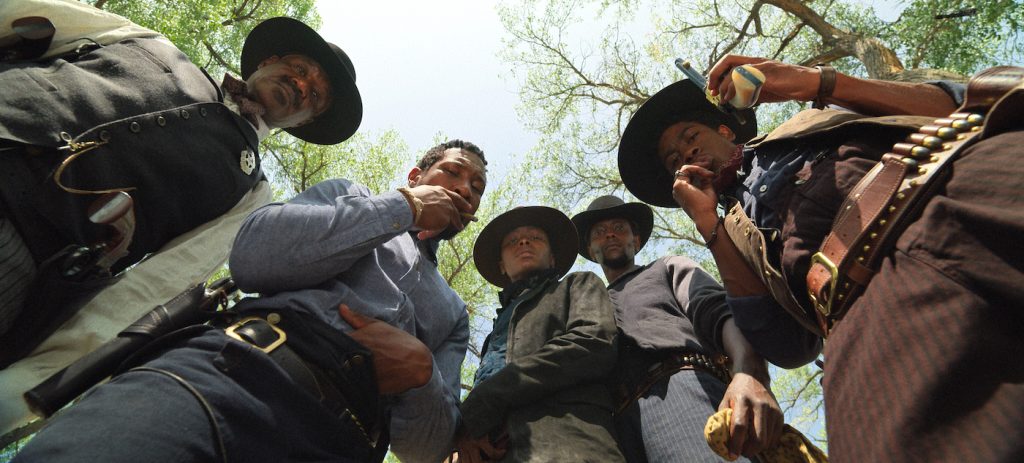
<point x="773" y="332"/>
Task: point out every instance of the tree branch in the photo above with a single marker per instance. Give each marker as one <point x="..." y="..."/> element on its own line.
<point x="218" y="58"/>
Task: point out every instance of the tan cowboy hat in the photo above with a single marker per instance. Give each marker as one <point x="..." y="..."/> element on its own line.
<point x="286" y="36"/>
<point x="641" y="170"/>
<point x="561" y="238"/>
<point x="612" y="207"/>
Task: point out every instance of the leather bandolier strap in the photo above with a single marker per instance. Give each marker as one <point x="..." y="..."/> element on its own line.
<point x="892" y="194"/>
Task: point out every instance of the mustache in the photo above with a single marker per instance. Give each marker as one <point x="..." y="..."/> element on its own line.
<point x="296" y="93"/>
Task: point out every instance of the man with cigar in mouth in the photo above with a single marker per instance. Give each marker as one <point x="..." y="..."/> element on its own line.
<point x="339" y="244"/>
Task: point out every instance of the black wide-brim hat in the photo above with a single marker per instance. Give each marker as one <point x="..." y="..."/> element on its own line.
<point x="612" y="207"/>
<point x="561" y="238"/>
<point x="286" y="36"/>
<point x="641" y="170"/>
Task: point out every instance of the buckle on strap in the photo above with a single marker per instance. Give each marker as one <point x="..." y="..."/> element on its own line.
<point x="255" y="331"/>
<point x="825" y="306"/>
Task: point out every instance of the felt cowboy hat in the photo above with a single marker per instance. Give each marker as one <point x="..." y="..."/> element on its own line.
<point x="612" y="207"/>
<point x="561" y="237"/>
<point x="286" y="36"/>
<point x="641" y="170"/>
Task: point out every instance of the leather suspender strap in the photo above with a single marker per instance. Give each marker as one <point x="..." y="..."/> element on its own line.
<point x="887" y="199"/>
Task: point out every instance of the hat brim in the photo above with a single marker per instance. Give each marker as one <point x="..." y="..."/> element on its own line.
<point x="561" y="237"/>
<point x="286" y="36"/>
<point x="641" y="170"/>
<point x="640" y="214"/>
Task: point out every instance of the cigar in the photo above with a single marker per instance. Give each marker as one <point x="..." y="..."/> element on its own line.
<point x="468" y="217"/>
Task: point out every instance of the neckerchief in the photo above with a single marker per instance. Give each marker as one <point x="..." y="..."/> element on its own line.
<point x="517" y="288"/>
<point x="727" y="175"/>
<point x="248" y="108"/>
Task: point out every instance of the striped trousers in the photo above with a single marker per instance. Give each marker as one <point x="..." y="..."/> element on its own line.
<point x="667" y="424"/>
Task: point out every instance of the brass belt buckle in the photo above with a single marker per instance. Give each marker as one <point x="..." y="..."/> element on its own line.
<point x="281" y="336"/>
<point x="825" y="307"/>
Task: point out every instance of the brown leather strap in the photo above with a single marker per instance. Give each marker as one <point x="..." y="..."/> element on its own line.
<point x="668" y="367"/>
<point x="883" y="203"/>
<point x="826" y="85"/>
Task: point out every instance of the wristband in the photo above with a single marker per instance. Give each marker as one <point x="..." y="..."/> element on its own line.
<point x="826" y="84"/>
<point x="714" y="232"/>
<point x="417" y="204"/>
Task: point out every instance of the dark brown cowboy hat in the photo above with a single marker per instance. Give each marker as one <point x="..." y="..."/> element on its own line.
<point x="639" y="166"/>
<point x="612" y="207"/>
<point x="561" y="238"/>
<point x="286" y="36"/>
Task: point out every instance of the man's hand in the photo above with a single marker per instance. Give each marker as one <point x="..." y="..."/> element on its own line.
<point x="442" y="209"/>
<point x="783" y="82"/>
<point x="756" y="416"/>
<point x="479" y="449"/>
<point x="693" y="192"/>
<point x="401" y="361"/>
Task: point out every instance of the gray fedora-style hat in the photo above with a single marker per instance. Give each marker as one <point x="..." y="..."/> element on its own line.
<point x="286" y="36"/>
<point x="612" y="207"/>
<point x="641" y="170"/>
<point x="561" y="237"/>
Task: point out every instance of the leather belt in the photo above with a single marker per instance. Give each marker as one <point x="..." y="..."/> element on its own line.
<point x="267" y="336"/>
<point x="889" y="197"/>
<point x="667" y="367"/>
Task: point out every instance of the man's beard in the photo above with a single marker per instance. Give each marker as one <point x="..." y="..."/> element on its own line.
<point x="617" y="263"/>
<point x="620" y="262"/>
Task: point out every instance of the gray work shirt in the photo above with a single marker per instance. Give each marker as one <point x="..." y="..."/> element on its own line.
<point x="670" y="305"/>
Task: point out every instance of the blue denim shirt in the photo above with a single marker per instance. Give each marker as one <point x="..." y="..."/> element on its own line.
<point x="496" y="352"/>
<point x="336" y="243"/>
<point x="761" y="189"/>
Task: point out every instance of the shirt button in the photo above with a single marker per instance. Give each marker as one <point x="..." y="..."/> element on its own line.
<point x="135" y="127"/>
<point x="185" y="114"/>
<point x="396" y="226"/>
<point x="161" y="121"/>
<point x="763" y="188"/>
